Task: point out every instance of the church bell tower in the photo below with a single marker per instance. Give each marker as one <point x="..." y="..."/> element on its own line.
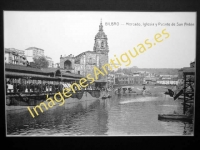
<point x="101" y="41"/>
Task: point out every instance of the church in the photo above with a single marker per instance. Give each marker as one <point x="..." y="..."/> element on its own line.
<point x="84" y="63"/>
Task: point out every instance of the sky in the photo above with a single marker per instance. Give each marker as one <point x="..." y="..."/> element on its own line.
<point x="73" y="32"/>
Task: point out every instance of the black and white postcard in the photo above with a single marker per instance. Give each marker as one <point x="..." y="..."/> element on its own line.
<point x="99" y="73"/>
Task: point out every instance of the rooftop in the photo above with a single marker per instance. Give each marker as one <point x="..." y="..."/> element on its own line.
<point x="30" y="48"/>
<point x="14" y="50"/>
<point x="22" y="68"/>
<point x="188" y="70"/>
<point x="92" y="52"/>
<point x="64" y="73"/>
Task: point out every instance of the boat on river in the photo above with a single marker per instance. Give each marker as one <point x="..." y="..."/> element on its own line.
<point x="181" y="117"/>
<point x="124" y="90"/>
<point x="28" y="86"/>
<point x="131" y="90"/>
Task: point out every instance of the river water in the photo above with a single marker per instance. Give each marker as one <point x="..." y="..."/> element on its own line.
<point x="121" y="115"/>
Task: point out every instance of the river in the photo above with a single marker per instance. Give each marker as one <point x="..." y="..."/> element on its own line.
<point x="121" y="115"/>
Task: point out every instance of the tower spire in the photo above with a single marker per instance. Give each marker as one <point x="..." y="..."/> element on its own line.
<point x="101" y="26"/>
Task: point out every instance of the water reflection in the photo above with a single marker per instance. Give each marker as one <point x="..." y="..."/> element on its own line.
<point x="120" y="115"/>
<point x="81" y="118"/>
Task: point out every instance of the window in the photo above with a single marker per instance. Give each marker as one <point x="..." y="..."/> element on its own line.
<point x="78" y="72"/>
<point x="90" y="61"/>
<point x="77" y="61"/>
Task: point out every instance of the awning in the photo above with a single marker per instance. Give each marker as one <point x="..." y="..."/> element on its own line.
<point x="16" y="74"/>
<point x="68" y="79"/>
<point x="21" y="68"/>
<point x="36" y="76"/>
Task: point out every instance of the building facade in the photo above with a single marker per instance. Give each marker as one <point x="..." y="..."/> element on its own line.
<point x="51" y="63"/>
<point x="32" y="52"/>
<point x="85" y="62"/>
<point x="121" y="78"/>
<point x="142" y="77"/>
<point x="15" y="56"/>
<point x="168" y="80"/>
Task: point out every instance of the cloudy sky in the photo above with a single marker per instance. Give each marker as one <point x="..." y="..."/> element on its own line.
<point x="73" y="32"/>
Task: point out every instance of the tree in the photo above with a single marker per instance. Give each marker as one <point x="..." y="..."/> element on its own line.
<point x="41" y="62"/>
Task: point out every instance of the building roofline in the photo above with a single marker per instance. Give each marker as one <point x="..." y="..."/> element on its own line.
<point x="85" y="53"/>
<point x="30" y="48"/>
